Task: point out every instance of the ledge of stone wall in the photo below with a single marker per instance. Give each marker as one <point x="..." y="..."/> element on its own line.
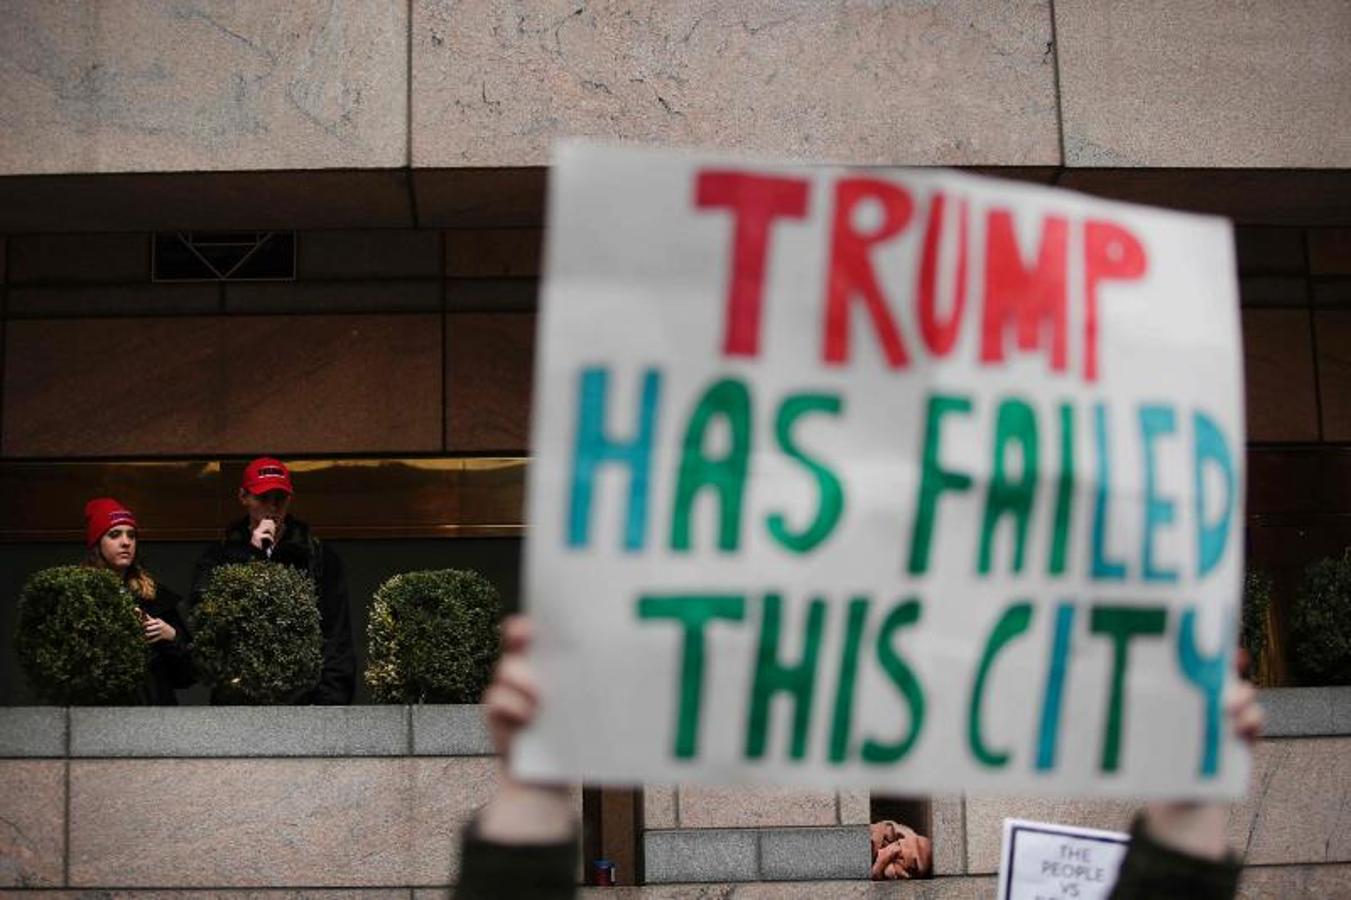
<point x="242" y="731"/>
<point x="1307" y="712"/>
<point x="44" y="732"/>
<point x="689" y="855"/>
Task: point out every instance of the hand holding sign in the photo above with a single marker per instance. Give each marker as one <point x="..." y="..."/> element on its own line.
<point x="881" y="479"/>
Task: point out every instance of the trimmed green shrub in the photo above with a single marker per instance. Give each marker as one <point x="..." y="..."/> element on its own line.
<point x="79" y="640"/>
<point x="1320" y="624"/>
<point x="256" y="637"/>
<point x="1253" y="635"/>
<point x="433" y="637"/>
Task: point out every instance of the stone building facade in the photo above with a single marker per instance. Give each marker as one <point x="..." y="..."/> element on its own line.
<point x="399" y="148"/>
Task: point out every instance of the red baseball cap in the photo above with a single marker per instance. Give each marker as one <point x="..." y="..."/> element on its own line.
<point x="101" y="515"/>
<point x="267" y="474"/>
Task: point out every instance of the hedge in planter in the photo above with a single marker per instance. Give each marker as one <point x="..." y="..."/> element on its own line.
<point x="79" y="640"/>
<point x="256" y="636"/>
<point x="433" y="637"/>
<point x="1253" y="635"/>
<point x="1320" y="624"/>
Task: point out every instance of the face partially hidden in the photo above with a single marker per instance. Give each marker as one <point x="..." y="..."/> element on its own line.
<point x="118" y="547"/>
<point x="899" y="852"/>
<point x="270" y="505"/>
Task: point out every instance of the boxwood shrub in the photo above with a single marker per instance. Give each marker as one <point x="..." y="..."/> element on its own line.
<point x="1320" y="624"/>
<point x="79" y="640"/>
<point x="1253" y="635"/>
<point x="433" y="637"/>
<point x="256" y="637"/>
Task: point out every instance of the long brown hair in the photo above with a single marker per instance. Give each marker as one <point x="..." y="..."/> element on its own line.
<point x="137" y="578"/>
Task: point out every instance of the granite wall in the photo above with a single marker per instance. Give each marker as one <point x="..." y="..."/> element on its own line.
<point x="369" y="802"/>
<point x="173" y="85"/>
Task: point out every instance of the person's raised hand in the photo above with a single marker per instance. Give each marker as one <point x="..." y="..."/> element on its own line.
<point x="520" y="813"/>
<point x="1198" y="828"/>
<point x="511" y="698"/>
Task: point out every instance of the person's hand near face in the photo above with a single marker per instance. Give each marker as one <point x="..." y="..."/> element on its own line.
<point x="899" y="852"/>
<point x="266" y="513"/>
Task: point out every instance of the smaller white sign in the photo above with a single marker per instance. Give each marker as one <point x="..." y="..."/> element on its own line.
<point x="1041" y="861"/>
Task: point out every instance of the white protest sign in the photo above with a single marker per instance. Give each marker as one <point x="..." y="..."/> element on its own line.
<point x="1042" y="861"/>
<point x="906" y="479"/>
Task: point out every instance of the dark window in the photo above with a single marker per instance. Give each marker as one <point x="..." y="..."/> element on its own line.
<point x="225" y="256"/>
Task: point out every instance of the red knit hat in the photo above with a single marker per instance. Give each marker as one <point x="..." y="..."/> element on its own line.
<point x="102" y="514"/>
<point x="267" y="474"/>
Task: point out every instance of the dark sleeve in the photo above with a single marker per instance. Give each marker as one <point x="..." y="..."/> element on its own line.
<point x="177" y="654"/>
<point x="525" y="871"/>
<point x="1152" y="871"/>
<point x="337" y="683"/>
<point x="217" y="554"/>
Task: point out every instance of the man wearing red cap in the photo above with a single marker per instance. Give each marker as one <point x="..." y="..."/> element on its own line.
<point x="269" y="533"/>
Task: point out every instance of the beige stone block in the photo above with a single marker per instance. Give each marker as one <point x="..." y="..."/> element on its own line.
<point x="718" y="807"/>
<point x="152" y="86"/>
<point x="258" y="823"/>
<point x="1298" y="805"/>
<point x="855" y="807"/>
<point x="1331" y="882"/>
<point x="219" y="894"/>
<point x="659" y="806"/>
<point x="32" y="818"/>
<point x="960" y="83"/>
<point x="985" y="821"/>
<point x="1208" y="83"/>
<point x="948" y="835"/>
<point x="937" y="889"/>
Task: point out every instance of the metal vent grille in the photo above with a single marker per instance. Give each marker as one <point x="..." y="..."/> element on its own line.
<point x="224" y="256"/>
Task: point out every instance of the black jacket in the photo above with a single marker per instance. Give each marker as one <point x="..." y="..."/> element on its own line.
<point x="489" y="870"/>
<point x="1152" y="871"/>
<point x="300" y="549"/>
<point x="170" y="661"/>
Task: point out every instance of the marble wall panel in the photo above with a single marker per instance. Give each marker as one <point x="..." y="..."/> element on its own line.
<point x="1207" y="83"/>
<point x="1330" y="251"/>
<point x="959" y="83"/>
<point x="1297" y="805"/>
<point x="32" y="823"/>
<point x="1279" y="375"/>
<point x="489" y="376"/>
<point x="115" y="300"/>
<point x="213" y="385"/>
<point x="271" y="822"/>
<point x="1334" y="371"/>
<point x="154" y="86"/>
<point x="715" y="807"/>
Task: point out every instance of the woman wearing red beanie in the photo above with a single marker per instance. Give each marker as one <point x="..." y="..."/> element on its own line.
<point x="110" y="534"/>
